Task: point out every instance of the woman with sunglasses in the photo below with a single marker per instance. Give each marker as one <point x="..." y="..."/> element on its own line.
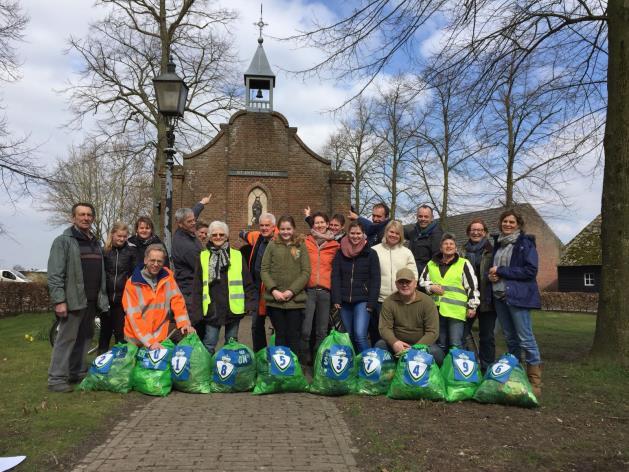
<point x="223" y="290"/>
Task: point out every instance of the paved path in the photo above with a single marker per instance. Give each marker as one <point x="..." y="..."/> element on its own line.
<point x="228" y="432"/>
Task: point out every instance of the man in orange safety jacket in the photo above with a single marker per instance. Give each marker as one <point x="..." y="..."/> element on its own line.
<point x="148" y="295"/>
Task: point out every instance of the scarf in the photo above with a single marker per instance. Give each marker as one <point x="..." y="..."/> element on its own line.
<point x="422" y="233"/>
<point x="352" y="250"/>
<point x="219" y="259"/>
<point x="474" y="253"/>
<point x="321" y="238"/>
<point x="503" y="259"/>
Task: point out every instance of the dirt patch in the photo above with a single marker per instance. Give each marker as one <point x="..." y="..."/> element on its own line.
<point x="394" y="435"/>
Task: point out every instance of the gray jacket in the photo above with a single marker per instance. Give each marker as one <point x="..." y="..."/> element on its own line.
<point x="65" y="275"/>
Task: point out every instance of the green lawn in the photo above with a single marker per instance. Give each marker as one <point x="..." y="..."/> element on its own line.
<point x="49" y="428"/>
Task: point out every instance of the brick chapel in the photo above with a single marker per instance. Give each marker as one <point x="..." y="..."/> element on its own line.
<point x="257" y="163"/>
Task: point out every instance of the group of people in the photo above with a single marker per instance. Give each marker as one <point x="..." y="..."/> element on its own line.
<point x="394" y="285"/>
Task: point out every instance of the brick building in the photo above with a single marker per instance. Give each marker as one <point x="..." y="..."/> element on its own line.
<point x="548" y="245"/>
<point x="580" y="265"/>
<point x="258" y="163"/>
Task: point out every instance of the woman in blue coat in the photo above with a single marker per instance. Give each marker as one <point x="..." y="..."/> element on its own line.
<point x="515" y="291"/>
<point x="356" y="284"/>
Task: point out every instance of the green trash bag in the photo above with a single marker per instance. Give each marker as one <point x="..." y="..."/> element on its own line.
<point x="417" y="376"/>
<point x="460" y="374"/>
<point x="233" y="369"/>
<point x="506" y="383"/>
<point x="335" y="365"/>
<point x="278" y="371"/>
<point x="376" y="368"/>
<point x="190" y="365"/>
<point x="152" y="373"/>
<point x="112" y="371"/>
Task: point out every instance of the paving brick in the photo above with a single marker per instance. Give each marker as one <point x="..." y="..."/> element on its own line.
<point x="230" y="432"/>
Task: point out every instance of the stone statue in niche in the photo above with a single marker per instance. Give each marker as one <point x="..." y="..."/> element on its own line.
<point x="256" y="210"/>
<point x="257" y="204"/>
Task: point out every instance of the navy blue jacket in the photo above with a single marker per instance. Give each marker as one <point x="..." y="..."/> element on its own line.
<point x="356" y="279"/>
<point x="373" y="231"/>
<point x="520" y="284"/>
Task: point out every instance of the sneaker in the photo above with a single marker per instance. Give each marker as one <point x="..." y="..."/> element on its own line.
<point x="61" y="388"/>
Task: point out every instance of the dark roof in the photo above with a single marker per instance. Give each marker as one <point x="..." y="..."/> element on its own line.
<point x="585" y="247"/>
<point x="457" y="224"/>
<point x="260" y="66"/>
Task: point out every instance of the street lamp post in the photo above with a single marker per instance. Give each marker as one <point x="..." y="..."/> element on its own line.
<point x="171" y="92"/>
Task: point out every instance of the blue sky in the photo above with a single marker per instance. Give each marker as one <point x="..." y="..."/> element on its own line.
<point x="33" y="107"/>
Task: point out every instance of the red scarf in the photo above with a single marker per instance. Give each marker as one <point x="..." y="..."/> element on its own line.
<point x="352" y="250"/>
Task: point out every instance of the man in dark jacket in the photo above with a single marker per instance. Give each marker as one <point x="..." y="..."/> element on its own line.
<point x="186" y="248"/>
<point x="258" y="242"/>
<point x="374" y="229"/>
<point x="76" y="282"/>
<point x="424" y="237"/>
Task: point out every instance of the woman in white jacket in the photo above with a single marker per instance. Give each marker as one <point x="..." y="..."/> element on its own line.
<point x="393" y="256"/>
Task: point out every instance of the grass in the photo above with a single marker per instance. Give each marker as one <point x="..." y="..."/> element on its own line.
<point x="582" y="424"/>
<point x="49" y="428"/>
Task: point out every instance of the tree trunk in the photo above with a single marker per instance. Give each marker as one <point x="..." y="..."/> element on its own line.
<point x="510" y="150"/>
<point x="611" y="339"/>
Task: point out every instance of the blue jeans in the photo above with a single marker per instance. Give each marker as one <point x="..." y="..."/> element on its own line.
<point x="450" y="333"/>
<point x="435" y="350"/>
<point x="356" y="321"/>
<point x="210" y="340"/>
<point x="517" y="327"/>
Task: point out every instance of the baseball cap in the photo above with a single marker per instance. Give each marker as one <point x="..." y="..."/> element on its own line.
<point x="405" y="274"/>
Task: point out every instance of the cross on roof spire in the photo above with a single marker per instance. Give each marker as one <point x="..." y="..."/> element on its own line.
<point x="261" y="24"/>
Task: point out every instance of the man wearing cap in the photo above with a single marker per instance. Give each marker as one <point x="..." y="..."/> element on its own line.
<point x="409" y="317"/>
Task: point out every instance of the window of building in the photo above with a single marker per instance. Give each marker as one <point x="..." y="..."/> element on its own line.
<point x="588" y="279"/>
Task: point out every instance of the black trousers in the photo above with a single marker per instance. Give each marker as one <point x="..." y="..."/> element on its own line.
<point x="287" y="325"/>
<point x="111" y="322"/>
<point x="487" y="342"/>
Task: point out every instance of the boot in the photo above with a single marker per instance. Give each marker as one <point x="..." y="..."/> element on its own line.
<point x="534" y="373"/>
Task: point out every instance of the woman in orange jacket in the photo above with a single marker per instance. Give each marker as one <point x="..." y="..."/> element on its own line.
<point x="322" y="247"/>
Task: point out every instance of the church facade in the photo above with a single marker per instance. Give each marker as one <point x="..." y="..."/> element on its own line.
<point x="257" y="163"/>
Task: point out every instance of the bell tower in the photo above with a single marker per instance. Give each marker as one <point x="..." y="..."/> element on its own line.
<point x="259" y="78"/>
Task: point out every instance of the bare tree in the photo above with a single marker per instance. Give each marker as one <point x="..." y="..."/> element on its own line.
<point x="12" y="23"/>
<point x="535" y="138"/>
<point x="361" y="148"/>
<point x="592" y="37"/>
<point x="110" y="176"/>
<point x="124" y="51"/>
<point x="18" y="168"/>
<point x="396" y="127"/>
<point x="444" y="142"/>
<point x="334" y="150"/>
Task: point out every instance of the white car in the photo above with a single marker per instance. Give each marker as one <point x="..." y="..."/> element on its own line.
<point x="10" y="275"/>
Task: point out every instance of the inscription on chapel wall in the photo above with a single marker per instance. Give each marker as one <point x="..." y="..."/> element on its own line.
<point x="258" y="173"/>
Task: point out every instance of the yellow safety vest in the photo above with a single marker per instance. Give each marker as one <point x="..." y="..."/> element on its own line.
<point x="453" y="302"/>
<point x="235" y="285"/>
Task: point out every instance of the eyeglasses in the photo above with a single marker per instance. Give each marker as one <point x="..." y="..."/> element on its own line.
<point x="154" y="262"/>
<point x="404" y="282"/>
<point x="477" y="231"/>
<point x="218" y="235"/>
